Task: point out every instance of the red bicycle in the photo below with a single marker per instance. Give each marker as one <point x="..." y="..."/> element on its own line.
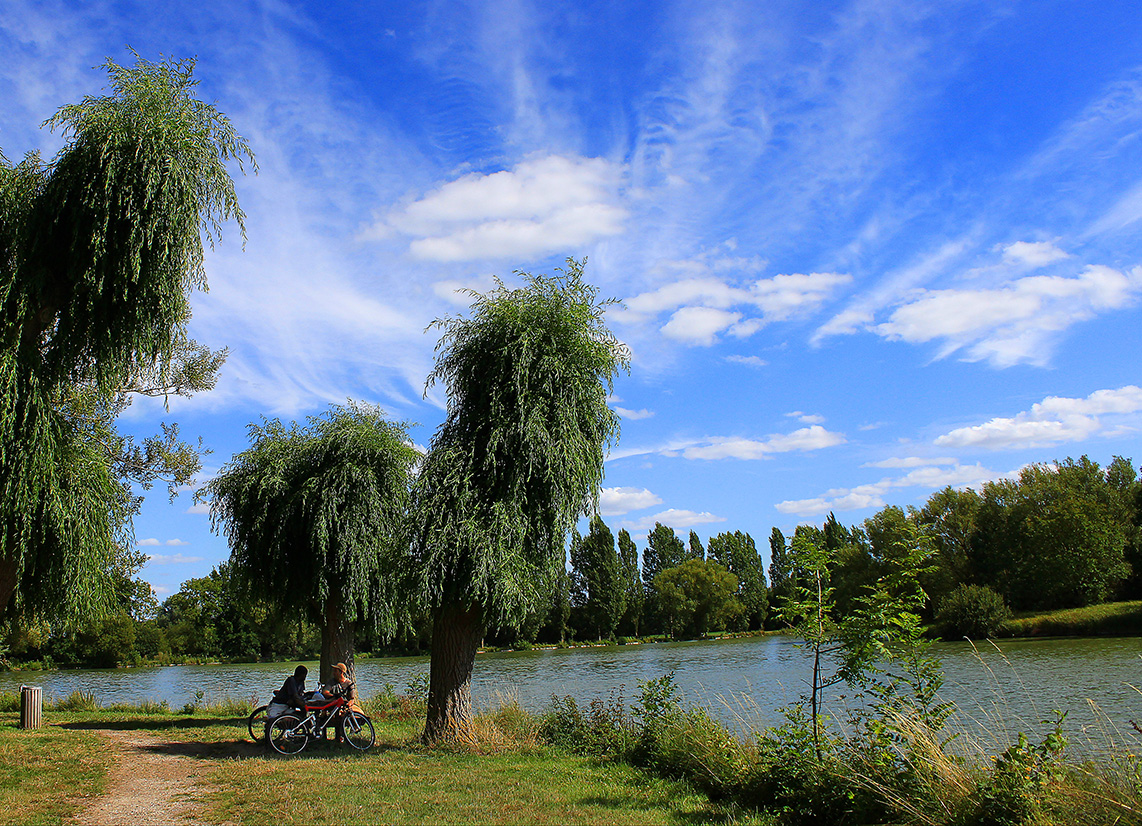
<point x="288" y="734"/>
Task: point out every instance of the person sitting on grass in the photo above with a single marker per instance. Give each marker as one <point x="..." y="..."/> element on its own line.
<point x="342" y="686"/>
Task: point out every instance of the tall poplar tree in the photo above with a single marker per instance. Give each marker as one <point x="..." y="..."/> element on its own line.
<point x="663" y="550"/>
<point x="695" y="549"/>
<point x="632" y="583"/>
<point x="780" y="566"/>
<point x="99" y="252"/>
<point x="316" y="518"/>
<point x="517" y="460"/>
<point x="738" y="553"/>
<point x="598" y="579"/>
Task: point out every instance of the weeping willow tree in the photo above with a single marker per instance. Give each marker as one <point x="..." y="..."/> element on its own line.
<point x="100" y="250"/>
<point x="316" y="519"/>
<point x="517" y="460"/>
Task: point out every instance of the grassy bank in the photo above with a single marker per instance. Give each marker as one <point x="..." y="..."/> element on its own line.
<point x="653" y="760"/>
<point x="1107" y="620"/>
<point x="510" y="777"/>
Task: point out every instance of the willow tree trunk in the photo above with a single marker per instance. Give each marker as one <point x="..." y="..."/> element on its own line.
<point x="456" y="634"/>
<point x="9" y="576"/>
<point x="338" y="640"/>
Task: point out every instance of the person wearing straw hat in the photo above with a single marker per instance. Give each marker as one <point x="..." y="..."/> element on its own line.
<point x="342" y="686"/>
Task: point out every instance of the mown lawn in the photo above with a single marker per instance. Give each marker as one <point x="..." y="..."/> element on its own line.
<point x="55" y="768"/>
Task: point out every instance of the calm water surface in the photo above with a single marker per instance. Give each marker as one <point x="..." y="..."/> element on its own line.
<point x="1014" y="684"/>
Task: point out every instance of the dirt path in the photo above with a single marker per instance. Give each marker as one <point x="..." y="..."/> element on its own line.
<point x="149" y="784"/>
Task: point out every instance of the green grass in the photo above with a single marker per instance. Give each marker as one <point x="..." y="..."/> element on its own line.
<point x="55" y="768"/>
<point x="1108" y="619"/>
<point x="49" y="772"/>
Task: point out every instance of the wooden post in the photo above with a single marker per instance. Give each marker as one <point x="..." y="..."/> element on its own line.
<point x="31" y="706"/>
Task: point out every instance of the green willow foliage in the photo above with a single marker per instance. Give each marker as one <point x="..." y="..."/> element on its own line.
<point x="99" y="251"/>
<point x="317" y="514"/>
<point x="520" y="454"/>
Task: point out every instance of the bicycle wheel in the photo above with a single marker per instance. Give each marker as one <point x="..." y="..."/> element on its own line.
<point x="285" y="735"/>
<point x="357" y="730"/>
<point x="256" y="723"/>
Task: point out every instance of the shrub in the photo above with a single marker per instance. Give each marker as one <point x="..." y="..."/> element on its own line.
<point x="972" y="611"/>
<point x="76" y="701"/>
<point x="788" y="778"/>
<point x="1014" y="792"/>
<point x="142" y="707"/>
<point x="602" y="730"/>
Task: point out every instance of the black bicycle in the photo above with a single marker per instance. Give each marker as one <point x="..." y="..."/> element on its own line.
<point x="257" y="723"/>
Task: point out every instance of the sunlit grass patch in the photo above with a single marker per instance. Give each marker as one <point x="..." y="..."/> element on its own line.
<point x="399" y="785"/>
<point x="48" y="772"/>
<point x="1094" y="620"/>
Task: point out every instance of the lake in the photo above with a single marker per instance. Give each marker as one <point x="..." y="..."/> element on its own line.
<point x="1013" y="684"/>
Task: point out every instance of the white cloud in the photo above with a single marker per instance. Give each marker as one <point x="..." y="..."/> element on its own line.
<point x="147" y="543"/>
<point x="703" y="307"/>
<point x="862" y="311"/>
<point x="807" y="418"/>
<point x="1052" y="421"/>
<point x="615" y="501"/>
<point x="176" y="543"/>
<point x="698" y="325"/>
<point x="748" y="361"/>
<point x="930" y="477"/>
<point x="673" y="518"/>
<point x="171" y="559"/>
<point x="1011" y="324"/>
<point x="1033" y="253"/>
<point x="198" y="507"/>
<point x="634" y="415"/>
<point x="543" y="205"/>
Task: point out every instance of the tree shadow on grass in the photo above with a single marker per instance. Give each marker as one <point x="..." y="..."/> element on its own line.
<point x="245" y="750"/>
<point x="711" y="815"/>
<point x="240" y="748"/>
<point x="156" y="723"/>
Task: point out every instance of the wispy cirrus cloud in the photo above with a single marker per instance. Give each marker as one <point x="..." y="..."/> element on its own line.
<point x="702" y="308"/>
<point x="757" y="362"/>
<point x="674" y="518"/>
<point x="814" y="437"/>
<point x="172" y="559"/>
<point x="1055" y="420"/>
<point x="930" y="477"/>
<point x="634" y="415"/>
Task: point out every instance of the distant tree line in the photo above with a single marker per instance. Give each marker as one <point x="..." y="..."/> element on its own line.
<point x="1060" y="535"/>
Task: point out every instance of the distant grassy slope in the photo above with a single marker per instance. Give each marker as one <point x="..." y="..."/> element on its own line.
<point x="1109" y="619"/>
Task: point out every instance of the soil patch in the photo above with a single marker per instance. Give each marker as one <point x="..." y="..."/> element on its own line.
<point x="149" y="783"/>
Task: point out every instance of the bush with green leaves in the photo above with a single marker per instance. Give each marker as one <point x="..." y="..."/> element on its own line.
<point x="973" y="611"/>
<point x="1015" y="790"/>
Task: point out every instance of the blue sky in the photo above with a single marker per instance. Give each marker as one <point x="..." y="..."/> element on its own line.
<point x="866" y="249"/>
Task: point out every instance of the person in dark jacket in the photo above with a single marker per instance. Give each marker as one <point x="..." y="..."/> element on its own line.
<point x="291" y="695"/>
